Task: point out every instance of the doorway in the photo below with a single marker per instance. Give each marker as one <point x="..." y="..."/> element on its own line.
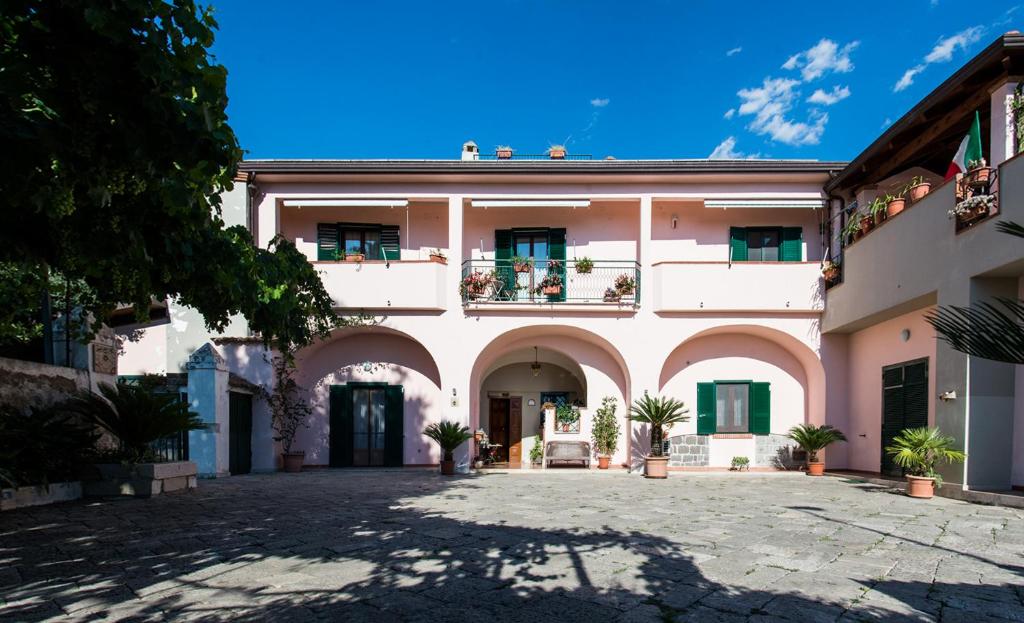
<point x="904" y="405"/>
<point x="239" y="433"/>
<point x="498" y="431"/>
<point x="367" y="421"/>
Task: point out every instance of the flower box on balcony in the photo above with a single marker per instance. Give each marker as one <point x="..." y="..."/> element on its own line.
<point x="551" y="290"/>
<point x="354" y="257"/>
<point x="978" y="178"/>
<point x="522" y="268"/>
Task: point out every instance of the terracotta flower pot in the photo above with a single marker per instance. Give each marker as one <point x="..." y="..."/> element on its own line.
<point x="474" y="293"/>
<point x="504" y="154"/>
<point x="355" y="257"/>
<point x="979" y="177"/>
<point x="867" y="223"/>
<point x="522" y="268"/>
<point x="551" y="290"/>
<point x="656" y="467"/>
<point x="816" y="468"/>
<point x="557" y="154"/>
<point x="920" y="487"/>
<point x="878" y="217"/>
<point x="603" y="461"/>
<point x="831" y="274"/>
<point x="448" y="468"/>
<point x="918" y="192"/>
<point x="293" y="461"/>
<point x="895" y="206"/>
<point x="440" y="259"/>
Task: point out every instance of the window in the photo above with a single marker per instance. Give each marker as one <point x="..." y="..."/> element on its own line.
<point x="733" y="407"/>
<point x="530" y="244"/>
<point x="376" y="242"/>
<point x="766" y="244"/>
<point x="732" y="402"/>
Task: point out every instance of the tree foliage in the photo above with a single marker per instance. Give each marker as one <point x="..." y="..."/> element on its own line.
<point x="116" y="151"/>
<point x="990" y="330"/>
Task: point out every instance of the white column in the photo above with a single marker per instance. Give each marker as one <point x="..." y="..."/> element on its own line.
<point x="208" y="397"/>
<point x="646" y="281"/>
<point x="455" y="372"/>
<point x="268" y="219"/>
<point x="1001" y="134"/>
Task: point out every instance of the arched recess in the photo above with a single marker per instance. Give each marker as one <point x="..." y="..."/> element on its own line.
<point x="601" y="366"/>
<point x="765" y="346"/>
<point x="370" y="355"/>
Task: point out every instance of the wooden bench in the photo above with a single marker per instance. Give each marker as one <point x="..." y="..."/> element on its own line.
<point x="567" y="452"/>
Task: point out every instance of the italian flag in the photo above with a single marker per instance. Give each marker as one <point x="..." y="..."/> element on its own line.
<point x="969" y="151"/>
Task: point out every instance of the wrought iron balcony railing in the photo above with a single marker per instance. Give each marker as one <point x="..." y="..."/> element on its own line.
<point x="570" y="281"/>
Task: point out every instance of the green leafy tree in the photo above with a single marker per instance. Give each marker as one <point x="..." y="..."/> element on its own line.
<point x="990" y="330"/>
<point x="661" y="414"/>
<point x="606" y="427"/>
<point x="116" y="150"/>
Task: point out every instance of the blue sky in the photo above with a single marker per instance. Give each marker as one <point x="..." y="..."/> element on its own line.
<point x="628" y="79"/>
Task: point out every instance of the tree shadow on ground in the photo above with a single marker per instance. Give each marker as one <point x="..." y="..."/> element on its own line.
<point x="366" y="546"/>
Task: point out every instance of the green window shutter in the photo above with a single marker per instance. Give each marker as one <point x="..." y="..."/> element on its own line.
<point x="791" y="247"/>
<point x="341" y="426"/>
<point x="760" y="409"/>
<point x="556" y="251"/>
<point x="738" y="244"/>
<point x="394" y="425"/>
<point x="502" y="263"/>
<point x="706" y="417"/>
<point x="326" y="242"/>
<point x="390" y="243"/>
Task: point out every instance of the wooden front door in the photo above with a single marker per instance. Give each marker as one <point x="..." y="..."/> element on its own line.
<point x="515" y="431"/>
<point x="499" y="428"/>
<point x="904" y="405"/>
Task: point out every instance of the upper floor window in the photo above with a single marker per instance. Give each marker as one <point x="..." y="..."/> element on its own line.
<point x="766" y="244"/>
<point x="530" y="244"/>
<point x="375" y="241"/>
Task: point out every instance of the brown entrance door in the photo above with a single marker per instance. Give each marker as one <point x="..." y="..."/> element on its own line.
<point x="499" y="425"/>
<point x="515" y="431"/>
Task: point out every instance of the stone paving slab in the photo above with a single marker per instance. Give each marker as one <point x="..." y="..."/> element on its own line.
<point x="563" y="546"/>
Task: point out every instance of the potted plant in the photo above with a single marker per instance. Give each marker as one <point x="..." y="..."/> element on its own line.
<point x="288" y="411"/>
<point x="584" y="265"/>
<point x="867" y="220"/>
<point x="894" y="204"/>
<point x="449" y="436"/>
<point x="611" y="296"/>
<point x="522" y="264"/>
<point x="550" y="285"/>
<point x="350" y="256"/>
<point x="740" y="463"/>
<point x="814" y="439"/>
<point x="475" y="284"/>
<point x="537" y="451"/>
<point x="851" y="231"/>
<point x="436" y="255"/>
<point x="605" y="431"/>
<point x="918" y="451"/>
<point x="830" y="271"/>
<point x="504" y="152"/>
<point x="556" y="152"/>
<point x="978" y="174"/>
<point x="661" y="414"/>
<point x="625" y="285"/>
<point x="917" y="187"/>
<point x="972" y="208"/>
<point x="567" y="417"/>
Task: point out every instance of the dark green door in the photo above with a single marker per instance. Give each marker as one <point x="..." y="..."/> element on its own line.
<point x="904" y="405"/>
<point x="366" y="425"/>
<point x="239" y="433"/>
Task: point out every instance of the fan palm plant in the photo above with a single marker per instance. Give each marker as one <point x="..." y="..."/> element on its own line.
<point x="919" y="450"/>
<point x="661" y="414"/>
<point x="449" y="436"/>
<point x="135" y="415"/>
<point x="813" y="439"/>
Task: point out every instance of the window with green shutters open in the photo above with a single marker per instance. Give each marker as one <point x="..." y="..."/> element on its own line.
<point x="733" y="407"/>
<point x="375" y="241"/>
<point x="766" y="244"/>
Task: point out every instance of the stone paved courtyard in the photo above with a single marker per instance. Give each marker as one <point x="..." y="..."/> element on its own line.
<point x="555" y="546"/>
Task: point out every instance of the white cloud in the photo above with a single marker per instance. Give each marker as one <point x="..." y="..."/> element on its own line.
<point x="769" y="105"/>
<point x="887" y="122"/>
<point x="734" y="51"/>
<point x="942" y="52"/>
<point x="824" y="57"/>
<point x="729" y="114"/>
<point x="600" y="102"/>
<point x="827" y="98"/>
<point x="726" y="150"/>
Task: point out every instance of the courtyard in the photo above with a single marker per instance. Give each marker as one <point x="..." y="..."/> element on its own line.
<point x="559" y="545"/>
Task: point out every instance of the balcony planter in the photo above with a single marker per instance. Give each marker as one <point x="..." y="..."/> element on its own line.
<point x="611" y="296"/>
<point x="354" y="257"/>
<point x="894" y="206"/>
<point x="920" y="487"/>
<point x="438" y="257"/>
<point x="292" y="461"/>
<point x="556" y="152"/>
<point x="919" y="190"/>
<point x="584" y="266"/>
<point x="504" y="153"/>
<point x="522" y="267"/>
<point x="979" y="177"/>
<point x="551" y="290"/>
<point x="867" y="223"/>
<point x="625" y="285"/>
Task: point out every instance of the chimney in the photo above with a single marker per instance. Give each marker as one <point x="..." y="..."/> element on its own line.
<point x="470" y="151"/>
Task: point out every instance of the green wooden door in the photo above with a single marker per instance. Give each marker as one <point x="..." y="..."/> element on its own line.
<point x="341" y="426"/>
<point x="356" y="440"/>
<point x="904" y="405"/>
<point x="394" y="433"/>
<point x="239" y="433"/>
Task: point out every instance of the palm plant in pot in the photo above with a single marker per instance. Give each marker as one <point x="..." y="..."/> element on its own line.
<point x="605" y="431"/>
<point x="661" y="414"/>
<point x="918" y="451"/>
<point x="449" y="436"/>
<point x="814" y="439"/>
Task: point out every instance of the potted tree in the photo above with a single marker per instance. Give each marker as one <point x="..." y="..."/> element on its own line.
<point x="449" y="436"/>
<point x="522" y="264"/>
<point x="918" y="451"/>
<point x="556" y="152"/>
<point x="813" y="439"/>
<point x="918" y="188"/>
<point x="584" y="265"/>
<point x="605" y="431"/>
<point x="288" y="411"/>
<point x="661" y="414"/>
<point x="504" y="152"/>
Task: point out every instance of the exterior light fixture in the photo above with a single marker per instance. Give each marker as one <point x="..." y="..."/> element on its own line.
<point x="535" y="366"/>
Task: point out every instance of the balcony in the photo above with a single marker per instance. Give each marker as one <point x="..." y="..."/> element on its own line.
<point x="611" y="284"/>
<point x="376" y="285"/>
<point x="794" y="287"/>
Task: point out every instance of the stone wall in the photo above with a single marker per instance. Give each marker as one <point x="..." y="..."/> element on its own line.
<point x="688" y="451"/>
<point x="776" y="451"/>
<point x="25" y="384"/>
